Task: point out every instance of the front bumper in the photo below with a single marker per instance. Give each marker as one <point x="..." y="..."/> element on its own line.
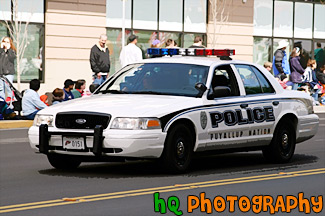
<point x="99" y="142"/>
<point x="307" y="127"/>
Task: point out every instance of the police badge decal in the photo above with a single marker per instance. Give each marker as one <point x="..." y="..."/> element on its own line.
<point x="203" y="120"/>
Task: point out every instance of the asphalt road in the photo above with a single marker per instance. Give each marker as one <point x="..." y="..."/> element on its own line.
<point x="29" y="186"/>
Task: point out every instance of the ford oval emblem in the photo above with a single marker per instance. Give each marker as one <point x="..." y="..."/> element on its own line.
<point x="80" y="121"/>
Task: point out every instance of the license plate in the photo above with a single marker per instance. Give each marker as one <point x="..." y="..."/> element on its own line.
<point x="77" y="143"/>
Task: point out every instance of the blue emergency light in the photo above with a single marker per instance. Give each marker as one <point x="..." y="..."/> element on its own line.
<point x="155" y="52"/>
<point x="162" y="52"/>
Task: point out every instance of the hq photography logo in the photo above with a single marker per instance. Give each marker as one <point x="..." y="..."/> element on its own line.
<point x="230" y="204"/>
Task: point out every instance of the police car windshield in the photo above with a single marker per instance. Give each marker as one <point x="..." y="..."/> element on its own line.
<point x="157" y="78"/>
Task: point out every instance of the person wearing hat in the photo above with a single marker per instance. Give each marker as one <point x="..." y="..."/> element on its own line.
<point x="68" y="86"/>
<point x="31" y="102"/>
<point x="99" y="60"/>
<point x="280" y="60"/>
<point x="130" y="53"/>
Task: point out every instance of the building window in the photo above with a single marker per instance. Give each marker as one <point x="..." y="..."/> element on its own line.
<point x="114" y="43"/>
<point x="114" y="11"/>
<point x="262" y="50"/>
<point x="145" y="39"/>
<point x="31" y="12"/>
<point x="195" y="15"/>
<point x="283" y="18"/>
<point x="303" y="20"/>
<point x="263" y="10"/>
<point x="164" y="36"/>
<point x="170" y="15"/>
<point x="189" y="39"/>
<point x="145" y="14"/>
<point x="319" y="24"/>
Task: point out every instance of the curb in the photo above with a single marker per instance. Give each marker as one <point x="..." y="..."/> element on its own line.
<point x="7" y="124"/>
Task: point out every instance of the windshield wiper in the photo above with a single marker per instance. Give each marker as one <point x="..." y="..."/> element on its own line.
<point x="148" y="92"/>
<point x="112" y="91"/>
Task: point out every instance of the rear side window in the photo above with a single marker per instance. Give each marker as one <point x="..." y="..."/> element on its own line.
<point x="253" y="80"/>
<point x="249" y="79"/>
<point x="266" y="86"/>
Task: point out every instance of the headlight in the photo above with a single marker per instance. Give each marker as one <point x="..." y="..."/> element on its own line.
<point x="43" y="119"/>
<point x="136" y="123"/>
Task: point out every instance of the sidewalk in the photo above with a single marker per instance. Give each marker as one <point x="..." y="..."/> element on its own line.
<point x="8" y="124"/>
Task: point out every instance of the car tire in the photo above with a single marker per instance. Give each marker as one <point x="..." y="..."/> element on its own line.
<point x="63" y="161"/>
<point x="283" y="143"/>
<point x="178" y="149"/>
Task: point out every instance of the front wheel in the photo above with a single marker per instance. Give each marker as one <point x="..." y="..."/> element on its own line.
<point x="178" y="149"/>
<point x="283" y="143"/>
<point x="59" y="161"/>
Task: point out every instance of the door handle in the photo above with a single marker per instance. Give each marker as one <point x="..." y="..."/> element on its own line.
<point x="275" y="103"/>
<point x="243" y="106"/>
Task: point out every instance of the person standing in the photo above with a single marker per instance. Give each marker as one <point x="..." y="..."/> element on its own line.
<point x="68" y="86"/>
<point x="130" y="53"/>
<point x="280" y="60"/>
<point x="296" y="69"/>
<point x="7" y="58"/>
<point x="320" y="75"/>
<point x="319" y="55"/>
<point x="31" y="102"/>
<point x="99" y="60"/>
<point x="198" y="43"/>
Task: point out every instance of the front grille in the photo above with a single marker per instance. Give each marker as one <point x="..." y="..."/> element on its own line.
<point x="81" y="120"/>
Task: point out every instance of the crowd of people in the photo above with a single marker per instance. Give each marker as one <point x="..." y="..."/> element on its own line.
<point x="31" y="102"/>
<point x="299" y="72"/>
<point x="293" y="72"/>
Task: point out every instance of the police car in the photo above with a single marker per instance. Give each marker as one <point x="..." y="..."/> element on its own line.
<point x="171" y="107"/>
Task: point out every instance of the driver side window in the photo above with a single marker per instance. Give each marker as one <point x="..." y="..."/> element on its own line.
<point x="224" y="76"/>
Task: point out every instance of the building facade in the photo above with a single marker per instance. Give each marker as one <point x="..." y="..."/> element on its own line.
<point x="61" y="32"/>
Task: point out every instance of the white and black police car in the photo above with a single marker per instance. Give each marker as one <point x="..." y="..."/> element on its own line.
<point x="172" y="107"/>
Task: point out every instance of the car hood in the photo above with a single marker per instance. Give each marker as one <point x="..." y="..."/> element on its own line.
<point x="127" y="105"/>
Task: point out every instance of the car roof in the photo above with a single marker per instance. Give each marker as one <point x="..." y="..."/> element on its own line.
<point x="205" y="61"/>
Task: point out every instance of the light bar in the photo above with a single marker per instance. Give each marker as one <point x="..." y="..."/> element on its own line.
<point x="154" y="52"/>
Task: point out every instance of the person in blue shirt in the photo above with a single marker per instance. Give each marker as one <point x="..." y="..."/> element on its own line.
<point x="68" y="86"/>
<point x="31" y="103"/>
<point x="280" y="60"/>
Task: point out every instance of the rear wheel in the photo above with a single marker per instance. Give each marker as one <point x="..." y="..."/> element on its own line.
<point x="59" y="161"/>
<point x="283" y="144"/>
<point x="178" y="149"/>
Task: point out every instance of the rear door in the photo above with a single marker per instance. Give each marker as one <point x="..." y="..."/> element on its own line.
<point x="260" y="107"/>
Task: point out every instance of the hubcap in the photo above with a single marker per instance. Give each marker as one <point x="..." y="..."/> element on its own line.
<point x="285" y="141"/>
<point x="180" y="149"/>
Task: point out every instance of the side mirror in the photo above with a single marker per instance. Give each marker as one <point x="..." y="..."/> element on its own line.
<point x="201" y="88"/>
<point x="220" y="91"/>
<point x="93" y="87"/>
